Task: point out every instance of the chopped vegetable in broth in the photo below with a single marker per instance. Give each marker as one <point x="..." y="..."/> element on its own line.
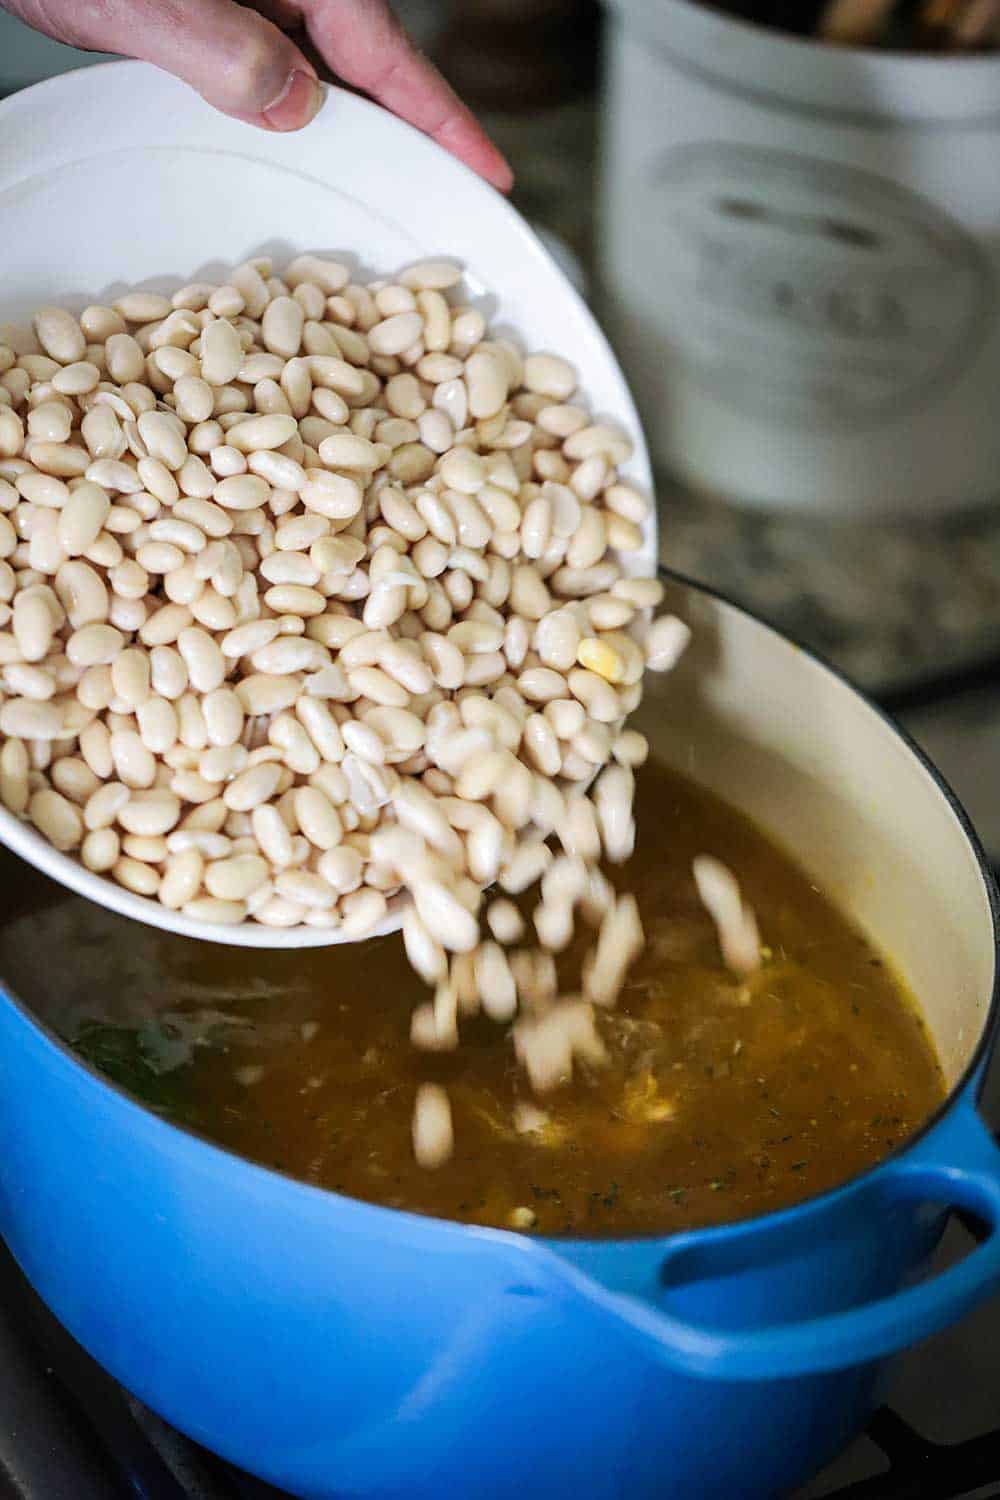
<point x="724" y="1097"/>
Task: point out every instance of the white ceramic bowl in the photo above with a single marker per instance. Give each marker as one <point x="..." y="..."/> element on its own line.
<point x="118" y="176"/>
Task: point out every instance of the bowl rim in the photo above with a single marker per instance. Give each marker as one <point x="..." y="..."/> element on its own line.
<point x="414" y="1222"/>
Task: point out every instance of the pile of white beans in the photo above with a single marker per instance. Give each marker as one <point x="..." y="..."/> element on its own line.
<point x="311" y="593"/>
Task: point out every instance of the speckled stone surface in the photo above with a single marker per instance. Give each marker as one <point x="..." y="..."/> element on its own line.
<point x="891" y="604"/>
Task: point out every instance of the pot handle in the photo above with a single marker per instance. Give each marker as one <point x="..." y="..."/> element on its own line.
<point x="958" y="1167"/>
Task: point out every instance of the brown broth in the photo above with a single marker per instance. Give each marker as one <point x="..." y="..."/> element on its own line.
<point x="724" y="1098"/>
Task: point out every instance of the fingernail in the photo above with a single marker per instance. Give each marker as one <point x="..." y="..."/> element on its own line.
<point x="297" y="104"/>
<point x="502" y="174"/>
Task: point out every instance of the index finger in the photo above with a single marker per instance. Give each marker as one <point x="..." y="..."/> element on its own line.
<point x="364" y="44"/>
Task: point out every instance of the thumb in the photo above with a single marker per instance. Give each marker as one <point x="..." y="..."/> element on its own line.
<point x="236" y="59"/>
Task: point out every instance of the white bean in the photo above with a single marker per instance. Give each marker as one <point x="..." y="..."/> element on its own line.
<point x="56" y="819"/>
<point x="322" y="599"/>
<point x="433" y="1132"/>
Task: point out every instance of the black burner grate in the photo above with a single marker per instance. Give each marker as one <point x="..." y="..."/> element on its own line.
<point x="921" y="1470"/>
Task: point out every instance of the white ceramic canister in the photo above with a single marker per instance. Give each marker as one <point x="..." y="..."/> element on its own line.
<point x="800" y="250"/>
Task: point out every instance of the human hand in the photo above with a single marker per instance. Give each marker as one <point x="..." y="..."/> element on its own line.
<point x="240" y="59"/>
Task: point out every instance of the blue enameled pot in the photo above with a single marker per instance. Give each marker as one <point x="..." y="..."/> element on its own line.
<point x="341" y="1350"/>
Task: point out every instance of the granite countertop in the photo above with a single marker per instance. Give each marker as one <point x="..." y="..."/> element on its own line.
<point x="893" y="605"/>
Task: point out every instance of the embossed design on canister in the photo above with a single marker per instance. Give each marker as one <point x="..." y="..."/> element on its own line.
<point x="809" y="293"/>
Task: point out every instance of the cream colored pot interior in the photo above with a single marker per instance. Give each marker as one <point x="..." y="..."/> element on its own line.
<point x="762" y="724"/>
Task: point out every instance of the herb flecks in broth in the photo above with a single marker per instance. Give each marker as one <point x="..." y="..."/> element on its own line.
<point x="724" y="1096"/>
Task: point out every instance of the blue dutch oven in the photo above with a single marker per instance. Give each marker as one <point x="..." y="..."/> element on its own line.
<point x="342" y="1350"/>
